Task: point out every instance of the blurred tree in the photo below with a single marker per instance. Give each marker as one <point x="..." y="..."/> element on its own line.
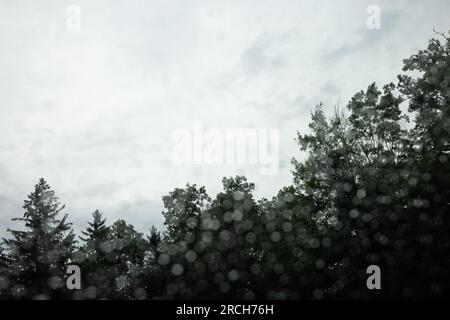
<point x="113" y="260"/>
<point x="4" y="276"/>
<point x="97" y="232"/>
<point x="94" y="256"/>
<point x="130" y="249"/>
<point x="230" y="232"/>
<point x="183" y="207"/>
<point x="380" y="187"/>
<point x="289" y="268"/>
<point x="177" y="255"/>
<point x="153" y="274"/>
<point x="39" y="254"/>
<point x="427" y="171"/>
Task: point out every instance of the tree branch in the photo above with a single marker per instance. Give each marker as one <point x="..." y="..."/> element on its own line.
<point x="441" y="34"/>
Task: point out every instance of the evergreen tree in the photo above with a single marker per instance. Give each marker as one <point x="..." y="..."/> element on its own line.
<point x="95" y="259"/>
<point x="38" y="255"/>
<point x="97" y="231"/>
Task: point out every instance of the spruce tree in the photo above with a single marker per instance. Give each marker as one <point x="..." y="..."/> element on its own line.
<point x="95" y="258"/>
<point x="97" y="231"/>
<point x="38" y="255"/>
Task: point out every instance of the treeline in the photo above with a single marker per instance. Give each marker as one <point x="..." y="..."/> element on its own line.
<point x="374" y="190"/>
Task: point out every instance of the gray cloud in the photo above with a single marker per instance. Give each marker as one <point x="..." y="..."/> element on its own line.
<point x="365" y="39"/>
<point x="93" y="110"/>
<point x="265" y="54"/>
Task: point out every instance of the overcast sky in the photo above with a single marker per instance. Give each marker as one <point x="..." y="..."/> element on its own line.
<point x="92" y="109"/>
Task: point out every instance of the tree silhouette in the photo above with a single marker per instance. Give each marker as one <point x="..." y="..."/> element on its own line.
<point x="95" y="259"/>
<point x="379" y="186"/>
<point x="39" y="254"/>
<point x="97" y="231"/>
<point x="129" y="255"/>
<point x="4" y="277"/>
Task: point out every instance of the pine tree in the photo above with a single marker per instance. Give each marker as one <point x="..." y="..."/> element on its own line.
<point x="97" y="231"/>
<point x="38" y="255"/>
<point x="95" y="258"/>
